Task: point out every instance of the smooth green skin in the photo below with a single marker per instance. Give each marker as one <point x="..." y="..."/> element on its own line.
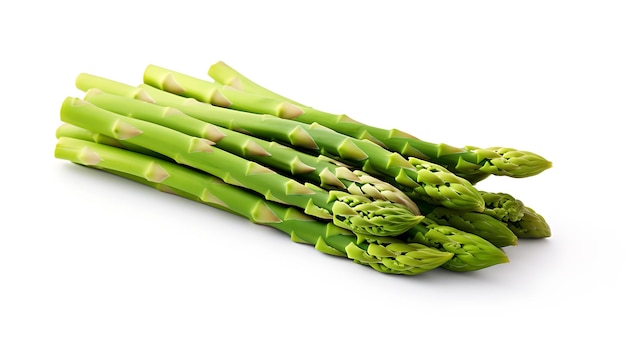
<point x="352" y="212"/>
<point x="427" y="180"/>
<point x="72" y="131"/>
<point x="318" y="170"/>
<point x="531" y="226"/>
<point x="470" y="162"/>
<point x="386" y="255"/>
<point x="503" y="206"/>
<point x="471" y="252"/>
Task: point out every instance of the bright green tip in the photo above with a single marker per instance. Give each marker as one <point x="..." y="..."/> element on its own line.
<point x="372" y="217"/>
<point x="531" y="226"/>
<point x="398" y="258"/>
<point x="513" y="163"/>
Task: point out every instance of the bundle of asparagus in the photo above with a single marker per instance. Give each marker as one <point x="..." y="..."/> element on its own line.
<point x="383" y="199"/>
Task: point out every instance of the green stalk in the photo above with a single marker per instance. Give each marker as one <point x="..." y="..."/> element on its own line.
<point x="483" y="225"/>
<point x="318" y="170"/>
<point x="470" y="162"/>
<point x="441" y="237"/>
<point x="426" y="180"/>
<point x="72" y="131"/>
<point x="352" y="212"/>
<point x="471" y="252"/>
<point x="386" y="255"/>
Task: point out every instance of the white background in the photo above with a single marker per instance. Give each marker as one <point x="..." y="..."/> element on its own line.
<point x="92" y="262"/>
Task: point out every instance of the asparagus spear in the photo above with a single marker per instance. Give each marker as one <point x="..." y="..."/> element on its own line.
<point x="352" y="212"/>
<point x="485" y="226"/>
<point x="426" y="180"/>
<point x="503" y="206"/>
<point x="471" y="252"/>
<point x="470" y="162"/>
<point x="319" y="170"/>
<point x="531" y="226"/>
<point x="386" y="255"/>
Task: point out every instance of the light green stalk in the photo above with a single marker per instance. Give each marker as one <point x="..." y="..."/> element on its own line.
<point x="426" y="180"/>
<point x="471" y="252"/>
<point x="470" y="162"/>
<point x="319" y="170"/>
<point x="483" y="225"/>
<point x="531" y="226"/>
<point x="71" y="131"/>
<point x="352" y="212"/>
<point x="386" y="255"/>
<point x="439" y="236"/>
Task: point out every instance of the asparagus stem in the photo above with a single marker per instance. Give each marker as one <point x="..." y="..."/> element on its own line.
<point x="318" y="170"/>
<point x="426" y="180"/>
<point x="386" y="255"/>
<point x="352" y="212"/>
<point x="470" y="162"/>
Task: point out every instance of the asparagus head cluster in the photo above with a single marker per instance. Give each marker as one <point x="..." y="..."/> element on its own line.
<point x="381" y="198"/>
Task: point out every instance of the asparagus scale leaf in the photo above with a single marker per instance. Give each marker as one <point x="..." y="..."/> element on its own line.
<point x="386" y="255"/>
<point x="474" y="163"/>
<point x="352" y="212"/>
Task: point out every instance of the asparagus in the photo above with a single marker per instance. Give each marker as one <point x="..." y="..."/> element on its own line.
<point x="471" y="252"/>
<point x="471" y="162"/>
<point x="479" y="224"/>
<point x="531" y="226"/>
<point x="445" y="239"/>
<point x="72" y="131"/>
<point x="352" y="212"/>
<point x="485" y="226"/>
<point x="386" y="255"/>
<point x="426" y="180"/>
<point x="318" y="170"/>
<point x="503" y="206"/>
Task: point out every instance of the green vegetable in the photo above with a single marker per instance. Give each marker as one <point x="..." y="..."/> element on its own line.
<point x="471" y="252"/>
<point x="381" y="198"/>
<point x="483" y="225"/>
<point x="450" y="242"/>
<point x="470" y="162"/>
<point x="318" y="170"/>
<point x="386" y="255"/>
<point x="531" y="226"/>
<point x="427" y="180"/>
<point x="352" y="212"/>
<point x="503" y="206"/>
